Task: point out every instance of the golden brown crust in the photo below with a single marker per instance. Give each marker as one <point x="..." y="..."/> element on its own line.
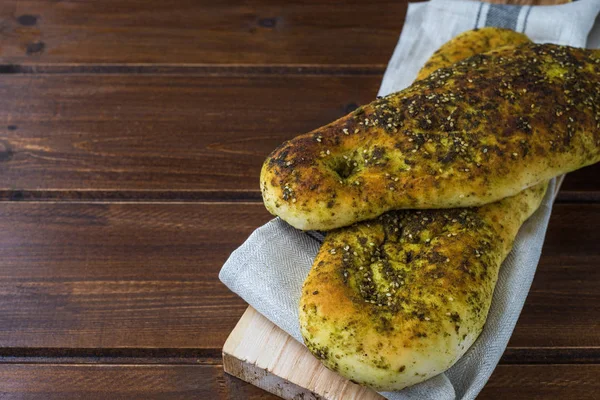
<point x="468" y="135"/>
<point x="395" y="301"/>
<point x="392" y="302"/>
<point x="468" y="44"/>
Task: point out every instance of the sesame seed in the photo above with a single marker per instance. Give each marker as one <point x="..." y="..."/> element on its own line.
<point x="294" y="200"/>
<point x="345" y="131"/>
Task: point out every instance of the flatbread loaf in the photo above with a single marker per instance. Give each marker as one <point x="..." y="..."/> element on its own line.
<point x="476" y="132"/>
<point x="395" y="301"/>
<point x="392" y="302"/>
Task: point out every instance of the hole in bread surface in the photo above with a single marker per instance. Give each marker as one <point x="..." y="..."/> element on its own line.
<point x="345" y="167"/>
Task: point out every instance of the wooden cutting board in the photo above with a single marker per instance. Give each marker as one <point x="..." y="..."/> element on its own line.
<point x="260" y="353"/>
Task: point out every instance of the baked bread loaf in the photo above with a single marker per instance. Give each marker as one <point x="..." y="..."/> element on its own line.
<point x="392" y="302"/>
<point x="479" y="131"/>
<point x="395" y="301"/>
<point x="470" y="43"/>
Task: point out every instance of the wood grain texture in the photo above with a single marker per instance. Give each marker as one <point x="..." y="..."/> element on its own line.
<point x="158" y="132"/>
<point x="221" y="32"/>
<point x="260" y="353"/>
<point x="529" y="2"/>
<point x="533" y="382"/>
<point x="186" y="32"/>
<point x="125" y="137"/>
<point x="125" y="276"/>
<point x="113" y="276"/>
<point x="164" y="382"/>
<point x="169" y="382"/>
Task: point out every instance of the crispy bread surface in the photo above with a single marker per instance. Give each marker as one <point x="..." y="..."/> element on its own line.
<point x="476" y="132"/>
<point x="395" y="301"/>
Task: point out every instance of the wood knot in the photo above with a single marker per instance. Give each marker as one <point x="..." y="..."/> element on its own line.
<point x="6" y="152"/>
<point x="267" y="22"/>
<point x="35" y="48"/>
<point x="27" y="20"/>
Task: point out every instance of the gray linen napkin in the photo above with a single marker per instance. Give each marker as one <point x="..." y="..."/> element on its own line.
<point x="269" y="268"/>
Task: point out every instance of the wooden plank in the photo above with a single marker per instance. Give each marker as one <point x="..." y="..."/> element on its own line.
<point x="166" y="382"/>
<point x="216" y="32"/>
<point x="208" y="32"/>
<point x="565" y="295"/>
<point x="533" y="382"/>
<point x="113" y="276"/>
<point x="127" y="279"/>
<point x="166" y="137"/>
<point x="113" y="133"/>
<point x="260" y="353"/>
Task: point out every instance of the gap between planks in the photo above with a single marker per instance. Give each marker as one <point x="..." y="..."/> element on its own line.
<point x="212" y="356"/>
<point x="224" y="70"/>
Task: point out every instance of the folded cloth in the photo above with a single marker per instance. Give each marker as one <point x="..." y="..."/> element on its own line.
<point x="269" y="268"/>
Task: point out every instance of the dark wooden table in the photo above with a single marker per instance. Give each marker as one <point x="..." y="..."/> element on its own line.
<point x="131" y="137"/>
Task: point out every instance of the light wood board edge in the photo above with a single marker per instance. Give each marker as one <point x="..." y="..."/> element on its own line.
<point x="260" y="353"/>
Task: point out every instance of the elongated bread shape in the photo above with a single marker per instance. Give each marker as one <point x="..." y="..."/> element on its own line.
<point x="395" y="301"/>
<point x="394" y="284"/>
<point x="479" y="131"/>
<point x="469" y="43"/>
